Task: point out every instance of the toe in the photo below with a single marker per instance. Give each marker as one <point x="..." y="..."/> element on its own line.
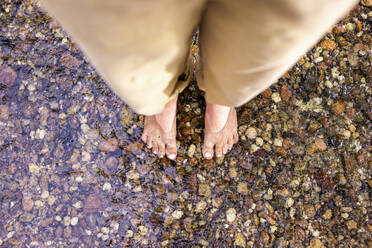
<point x="235" y="138"/>
<point x="219" y="149"/>
<point x="161" y="146"/>
<point x="149" y="142"/>
<point x="144" y="138"/>
<point x="171" y="151"/>
<point x="208" y="150"/>
<point x="155" y="148"/>
<point x="225" y="148"/>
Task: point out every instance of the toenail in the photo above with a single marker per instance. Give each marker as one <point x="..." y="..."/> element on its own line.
<point x="155" y="153"/>
<point x="208" y="155"/>
<point x="172" y="156"/>
<point x="219" y="155"/>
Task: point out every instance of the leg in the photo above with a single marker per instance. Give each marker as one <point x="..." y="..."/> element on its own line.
<point x="140" y="48"/>
<point x="246" y="45"/>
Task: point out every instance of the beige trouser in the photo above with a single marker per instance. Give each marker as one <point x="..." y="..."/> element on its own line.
<point x="141" y="47"/>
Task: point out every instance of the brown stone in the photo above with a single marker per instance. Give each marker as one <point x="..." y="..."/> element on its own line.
<point x="351" y="224"/>
<point x="285" y="93"/>
<point x="135" y="148"/>
<point x="300" y="233"/>
<point x="338" y="108"/>
<point x="266" y="93"/>
<point x="367" y="3"/>
<point x="328" y="44"/>
<point x="320" y="144"/>
<point x="316" y="243"/>
<point x="265" y="238"/>
<point x="309" y="211"/>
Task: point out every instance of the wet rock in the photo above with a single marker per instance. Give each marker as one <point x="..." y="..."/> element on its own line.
<point x="109" y="145"/>
<point x="242" y="188"/>
<point x="27" y="203"/>
<point x="69" y="61"/>
<point x="135" y="148"/>
<point x="265" y="238"/>
<point x="316" y="243"/>
<point x="177" y="214"/>
<point x="231" y="215"/>
<point x="112" y="162"/>
<point x="92" y="203"/>
<point x="367" y="3"/>
<point x="204" y="190"/>
<point x="7" y="76"/>
<point x="285" y="93"/>
<point x="239" y="240"/>
<point x="251" y="133"/>
<point x="320" y="144"/>
<point x="4" y="112"/>
<point x="191" y="150"/>
<point x="351" y="224"/>
<point x="200" y="207"/>
<point x="276" y="97"/>
<point x="328" y="44"/>
<point x="309" y="211"/>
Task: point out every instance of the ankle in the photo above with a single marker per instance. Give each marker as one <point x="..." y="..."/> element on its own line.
<point x="216" y="116"/>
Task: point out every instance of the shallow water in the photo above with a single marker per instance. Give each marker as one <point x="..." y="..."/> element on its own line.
<point x="74" y="173"/>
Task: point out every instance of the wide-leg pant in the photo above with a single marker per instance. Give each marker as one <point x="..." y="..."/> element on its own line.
<point x="141" y="47"/>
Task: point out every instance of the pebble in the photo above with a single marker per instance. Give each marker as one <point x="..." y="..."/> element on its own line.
<point x="351" y="224"/>
<point x="66" y="220"/>
<point x="109" y="145"/>
<point x="70" y="61"/>
<point x="51" y="200"/>
<point x="309" y="211"/>
<point x="239" y="240"/>
<point x="204" y="190"/>
<point x="316" y="243"/>
<point x="285" y="93"/>
<point x="231" y="215"/>
<point x="27" y="203"/>
<point x="233" y="172"/>
<point x="328" y="44"/>
<point x="338" y="108"/>
<point x="327" y="215"/>
<point x="191" y="150"/>
<point x="34" y="169"/>
<point x="4" y="112"/>
<point x="242" y="188"/>
<point x="251" y="133"/>
<point x="200" y="206"/>
<point x="276" y="97"/>
<point x="7" y="76"/>
<point x="106" y="186"/>
<point x="320" y="144"/>
<point x="78" y="204"/>
<point x="177" y="214"/>
<point x="278" y="142"/>
<point x="289" y="202"/>
<point x="45" y="194"/>
<point x="74" y="221"/>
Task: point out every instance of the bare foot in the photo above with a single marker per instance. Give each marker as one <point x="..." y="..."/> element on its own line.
<point x="220" y="130"/>
<point x="159" y="132"/>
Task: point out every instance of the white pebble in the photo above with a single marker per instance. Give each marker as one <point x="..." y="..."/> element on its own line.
<point x="276" y="97"/>
<point x="74" y="221"/>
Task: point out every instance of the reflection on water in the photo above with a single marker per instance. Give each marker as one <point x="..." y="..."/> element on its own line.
<point x="74" y="172"/>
